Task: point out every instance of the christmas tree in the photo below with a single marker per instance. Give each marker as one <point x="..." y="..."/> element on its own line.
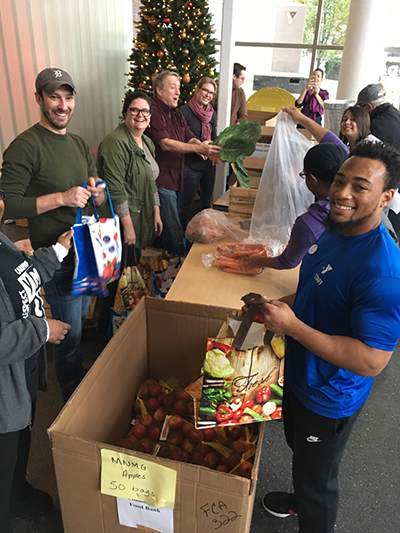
<point x="173" y="35"/>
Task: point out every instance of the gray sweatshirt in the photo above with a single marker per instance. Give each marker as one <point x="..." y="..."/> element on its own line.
<point x="19" y="340"/>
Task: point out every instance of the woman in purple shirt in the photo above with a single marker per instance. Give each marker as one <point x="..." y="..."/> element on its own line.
<point x="312" y="97"/>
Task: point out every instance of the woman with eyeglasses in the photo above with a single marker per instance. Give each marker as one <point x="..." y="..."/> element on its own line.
<point x="126" y="162"/>
<point x="24" y="331"/>
<point x="198" y="170"/>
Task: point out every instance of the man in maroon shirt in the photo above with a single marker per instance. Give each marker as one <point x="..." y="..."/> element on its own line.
<point x="173" y="139"/>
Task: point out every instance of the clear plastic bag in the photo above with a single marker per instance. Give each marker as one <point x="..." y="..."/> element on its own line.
<point x="228" y="257"/>
<point x="210" y="225"/>
<point x="282" y="195"/>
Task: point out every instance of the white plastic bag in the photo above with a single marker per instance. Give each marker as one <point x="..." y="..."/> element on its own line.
<point x="282" y="195"/>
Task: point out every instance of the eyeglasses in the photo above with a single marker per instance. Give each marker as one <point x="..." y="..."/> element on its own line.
<point x="135" y="111"/>
<point x="303" y="174"/>
<point x="2" y="195"/>
<point x="207" y="92"/>
<point x="242" y="78"/>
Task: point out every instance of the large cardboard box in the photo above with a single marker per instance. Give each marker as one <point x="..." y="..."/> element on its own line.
<point x="160" y="339"/>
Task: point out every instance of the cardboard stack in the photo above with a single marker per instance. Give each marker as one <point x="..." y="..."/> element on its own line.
<point x="160" y="339"/>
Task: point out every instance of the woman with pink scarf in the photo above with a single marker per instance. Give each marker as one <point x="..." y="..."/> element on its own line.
<point x="202" y="121"/>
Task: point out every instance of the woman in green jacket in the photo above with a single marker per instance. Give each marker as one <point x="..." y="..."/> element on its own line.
<point x="126" y="162"/>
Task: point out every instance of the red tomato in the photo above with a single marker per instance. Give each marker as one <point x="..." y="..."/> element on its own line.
<point x="237" y="414"/>
<point x="277" y="414"/>
<point x="257" y="408"/>
<point x="245" y="419"/>
<point x="247" y="403"/>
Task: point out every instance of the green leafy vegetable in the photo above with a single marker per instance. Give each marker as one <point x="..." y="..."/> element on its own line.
<point x="237" y="142"/>
<point x="214" y="396"/>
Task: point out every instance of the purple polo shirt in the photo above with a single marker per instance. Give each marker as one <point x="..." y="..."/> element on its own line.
<point x="168" y="123"/>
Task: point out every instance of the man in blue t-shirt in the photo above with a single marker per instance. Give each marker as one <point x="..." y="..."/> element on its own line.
<point x="341" y="331"/>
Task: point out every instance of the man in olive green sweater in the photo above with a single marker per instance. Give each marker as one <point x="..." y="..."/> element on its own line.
<point x="43" y="171"/>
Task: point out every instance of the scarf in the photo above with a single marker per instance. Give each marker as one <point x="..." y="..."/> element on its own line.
<point x="204" y="115"/>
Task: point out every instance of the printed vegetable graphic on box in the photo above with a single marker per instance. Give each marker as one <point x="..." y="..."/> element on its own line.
<point x="241" y="386"/>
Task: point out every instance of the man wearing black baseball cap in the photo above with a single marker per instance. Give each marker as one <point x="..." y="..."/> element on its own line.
<point x="385" y="119"/>
<point x="42" y="175"/>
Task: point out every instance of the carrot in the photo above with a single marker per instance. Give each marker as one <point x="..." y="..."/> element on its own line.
<point x="251" y="272"/>
<point x="222" y="264"/>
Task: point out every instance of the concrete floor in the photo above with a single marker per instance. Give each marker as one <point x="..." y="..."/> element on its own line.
<point x="370" y="471"/>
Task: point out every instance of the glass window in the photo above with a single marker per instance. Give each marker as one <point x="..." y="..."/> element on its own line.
<point x="274" y="23"/>
<point x="287" y="68"/>
<point x="334" y="16"/>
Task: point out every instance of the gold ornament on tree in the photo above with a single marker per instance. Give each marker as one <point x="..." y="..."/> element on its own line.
<point x="152" y="21"/>
<point x="158" y="36"/>
<point x="201" y="63"/>
<point x="212" y="73"/>
<point x="201" y="42"/>
<point x="182" y="35"/>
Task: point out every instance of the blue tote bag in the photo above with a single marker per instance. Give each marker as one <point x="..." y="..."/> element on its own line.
<point x="97" y="251"/>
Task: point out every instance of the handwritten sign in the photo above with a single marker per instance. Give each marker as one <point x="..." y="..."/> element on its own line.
<point x="132" y="513"/>
<point x="219" y="514"/>
<point x="131" y="477"/>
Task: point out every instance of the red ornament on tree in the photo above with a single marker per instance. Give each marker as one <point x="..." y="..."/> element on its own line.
<point x="186" y="78"/>
<point x="190" y="4"/>
<point x="166" y="20"/>
<point x="160" y="53"/>
<point x="141" y="85"/>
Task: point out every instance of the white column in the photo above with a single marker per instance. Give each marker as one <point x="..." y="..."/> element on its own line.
<point x="361" y="63"/>
<point x="225" y="86"/>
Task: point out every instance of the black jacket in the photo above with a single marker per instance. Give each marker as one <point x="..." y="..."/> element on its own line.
<point x="385" y="124"/>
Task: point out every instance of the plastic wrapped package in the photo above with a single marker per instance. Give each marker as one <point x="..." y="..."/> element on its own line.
<point x="282" y="195"/>
<point x="228" y="256"/>
<point x="210" y="225"/>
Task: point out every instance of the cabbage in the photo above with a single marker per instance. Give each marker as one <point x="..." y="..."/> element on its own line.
<point x="217" y="365"/>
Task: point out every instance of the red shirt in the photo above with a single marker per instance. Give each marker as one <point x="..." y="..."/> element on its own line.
<point x="168" y="123"/>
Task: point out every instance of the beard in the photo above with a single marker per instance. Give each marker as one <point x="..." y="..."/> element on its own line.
<point x="344" y="227"/>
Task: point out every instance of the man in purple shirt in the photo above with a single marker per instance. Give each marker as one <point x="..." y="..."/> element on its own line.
<point x="173" y="139"/>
